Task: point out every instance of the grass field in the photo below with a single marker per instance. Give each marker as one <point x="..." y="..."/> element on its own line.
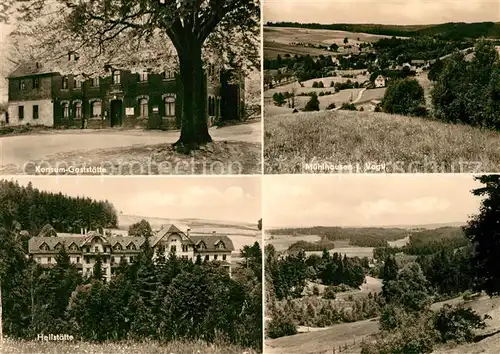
<point x="403" y="144"/>
<point x="36" y="347"/>
<point x="322" y="342"/>
<point x="278" y="40"/>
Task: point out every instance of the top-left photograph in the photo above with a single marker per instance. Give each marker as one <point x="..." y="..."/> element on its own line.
<point x="125" y="87"/>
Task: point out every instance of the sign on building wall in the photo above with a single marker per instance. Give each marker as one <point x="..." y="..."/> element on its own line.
<point x="129" y="111"/>
<point x="155" y="109"/>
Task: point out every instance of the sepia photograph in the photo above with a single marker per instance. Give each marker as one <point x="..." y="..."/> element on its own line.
<point x="130" y="87"/>
<point x="370" y="86"/>
<point x="130" y="265"/>
<point x="372" y="264"/>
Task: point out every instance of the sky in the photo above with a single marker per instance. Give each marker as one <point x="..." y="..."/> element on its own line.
<point x="368" y="200"/>
<point x="396" y="12"/>
<point x="236" y="199"/>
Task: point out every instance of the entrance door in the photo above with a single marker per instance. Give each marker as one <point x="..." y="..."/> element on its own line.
<point x="116" y="113"/>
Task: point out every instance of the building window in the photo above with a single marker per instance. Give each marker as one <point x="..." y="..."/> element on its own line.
<point x="65" y="82"/>
<point x="169" y="106"/>
<point x="116" y="77"/>
<point x="112" y="260"/>
<point x="167" y="75"/>
<point x="105" y="260"/>
<point x="224" y="257"/>
<point x="173" y="248"/>
<point x="143" y="76"/>
<point x="78" y="83"/>
<point x="215" y="257"/>
<point x="78" y="110"/>
<point x="22" y="85"/>
<point x="118" y="247"/>
<point x="185" y="248"/>
<point x="44" y="247"/>
<point x="77" y="259"/>
<point x="65" y="110"/>
<point x="143" y="107"/>
<point x="36" y="83"/>
<point x="207" y="257"/>
<point x="96" y="249"/>
<point x="21" y="112"/>
<point x="49" y="259"/>
<point x="211" y="106"/>
<point x="96" y="109"/>
<point x="95" y="82"/>
<point x="35" y="111"/>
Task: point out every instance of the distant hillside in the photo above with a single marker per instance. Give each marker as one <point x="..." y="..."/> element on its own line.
<point x="452" y="30"/>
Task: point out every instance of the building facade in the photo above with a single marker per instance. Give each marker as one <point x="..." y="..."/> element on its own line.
<point x="84" y="249"/>
<point x="39" y="96"/>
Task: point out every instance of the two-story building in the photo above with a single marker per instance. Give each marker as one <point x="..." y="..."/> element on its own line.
<point x="85" y="248"/>
<point x="39" y="96"/>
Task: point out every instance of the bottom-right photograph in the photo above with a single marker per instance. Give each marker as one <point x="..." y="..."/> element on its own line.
<point x="382" y="264"/>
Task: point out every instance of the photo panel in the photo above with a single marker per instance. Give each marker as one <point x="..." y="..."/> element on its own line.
<point x="381" y="263"/>
<point x="370" y="86"/>
<point x="130" y="87"/>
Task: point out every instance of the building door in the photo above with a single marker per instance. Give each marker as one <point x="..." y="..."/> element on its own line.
<point x="116" y="113"/>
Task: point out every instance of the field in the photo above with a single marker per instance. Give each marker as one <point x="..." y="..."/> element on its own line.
<point x="279" y="40"/>
<point x="404" y="144"/>
<point x="35" y="347"/>
<point x="322" y="342"/>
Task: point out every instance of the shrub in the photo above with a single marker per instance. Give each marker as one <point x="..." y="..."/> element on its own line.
<point x="348" y="107"/>
<point x="404" y="97"/>
<point x="279" y="99"/>
<point x="330" y="293"/>
<point x="457" y="323"/>
<point x="315" y="84"/>
<point x="316" y="290"/>
<point x="330" y="106"/>
<point x="312" y="104"/>
<point x="320" y="84"/>
<point x="280" y="325"/>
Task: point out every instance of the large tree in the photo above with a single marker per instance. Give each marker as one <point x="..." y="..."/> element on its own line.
<point x="154" y="34"/>
<point x="484" y="232"/>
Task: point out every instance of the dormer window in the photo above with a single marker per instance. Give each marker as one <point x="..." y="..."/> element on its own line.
<point x="58" y="246"/>
<point x="118" y="247"/>
<point x="202" y="245"/>
<point x="168" y="75"/>
<point x="116" y="76"/>
<point x="73" y="247"/>
<point x="44" y="247"/>
<point x="95" y="82"/>
<point x="221" y="245"/>
<point x="22" y="85"/>
<point x="131" y="246"/>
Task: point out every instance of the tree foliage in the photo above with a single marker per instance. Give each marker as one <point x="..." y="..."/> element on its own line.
<point x="404" y="97"/>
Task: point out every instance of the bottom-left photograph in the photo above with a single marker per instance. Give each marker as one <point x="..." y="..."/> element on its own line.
<point x="130" y="265"/>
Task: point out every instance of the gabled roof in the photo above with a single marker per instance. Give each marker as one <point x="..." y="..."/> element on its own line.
<point x="167" y="230"/>
<point x="211" y="241"/>
<point x="29" y="69"/>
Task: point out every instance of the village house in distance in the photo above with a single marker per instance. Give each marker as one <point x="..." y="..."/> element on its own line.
<point x="84" y="249"/>
<point x="39" y="96"/>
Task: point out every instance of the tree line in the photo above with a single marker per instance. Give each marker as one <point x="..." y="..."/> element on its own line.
<point x="27" y="208"/>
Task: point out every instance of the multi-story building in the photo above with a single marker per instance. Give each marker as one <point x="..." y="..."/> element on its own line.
<point x="85" y="248"/>
<point x="39" y="96"/>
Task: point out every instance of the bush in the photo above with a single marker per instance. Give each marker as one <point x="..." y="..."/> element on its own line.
<point x="457" y="323"/>
<point x="315" y="84"/>
<point x="330" y="293"/>
<point x="348" y="107"/>
<point x="316" y="290"/>
<point x="330" y="106"/>
<point x="280" y="325"/>
<point x="404" y="97"/>
<point x="312" y="104"/>
<point x="320" y="84"/>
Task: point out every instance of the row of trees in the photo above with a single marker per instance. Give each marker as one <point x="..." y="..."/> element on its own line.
<point x="27" y="208"/>
<point x="163" y="299"/>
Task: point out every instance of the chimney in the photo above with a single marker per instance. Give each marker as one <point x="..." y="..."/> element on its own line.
<point x="188" y="232"/>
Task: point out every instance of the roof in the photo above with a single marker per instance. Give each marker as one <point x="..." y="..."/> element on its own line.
<point x="29" y="69"/>
<point x="212" y="240"/>
<point x="66" y="239"/>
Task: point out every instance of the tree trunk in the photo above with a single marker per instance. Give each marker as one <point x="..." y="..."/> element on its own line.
<point x="194" y="123"/>
<point x="1" y="322"/>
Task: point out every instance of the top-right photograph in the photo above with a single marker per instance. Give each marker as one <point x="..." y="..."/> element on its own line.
<point x="381" y="87"/>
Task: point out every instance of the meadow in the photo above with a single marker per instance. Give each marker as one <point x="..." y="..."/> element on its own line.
<point x="9" y="346"/>
<point x="279" y="40"/>
<point x="404" y="144"/>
